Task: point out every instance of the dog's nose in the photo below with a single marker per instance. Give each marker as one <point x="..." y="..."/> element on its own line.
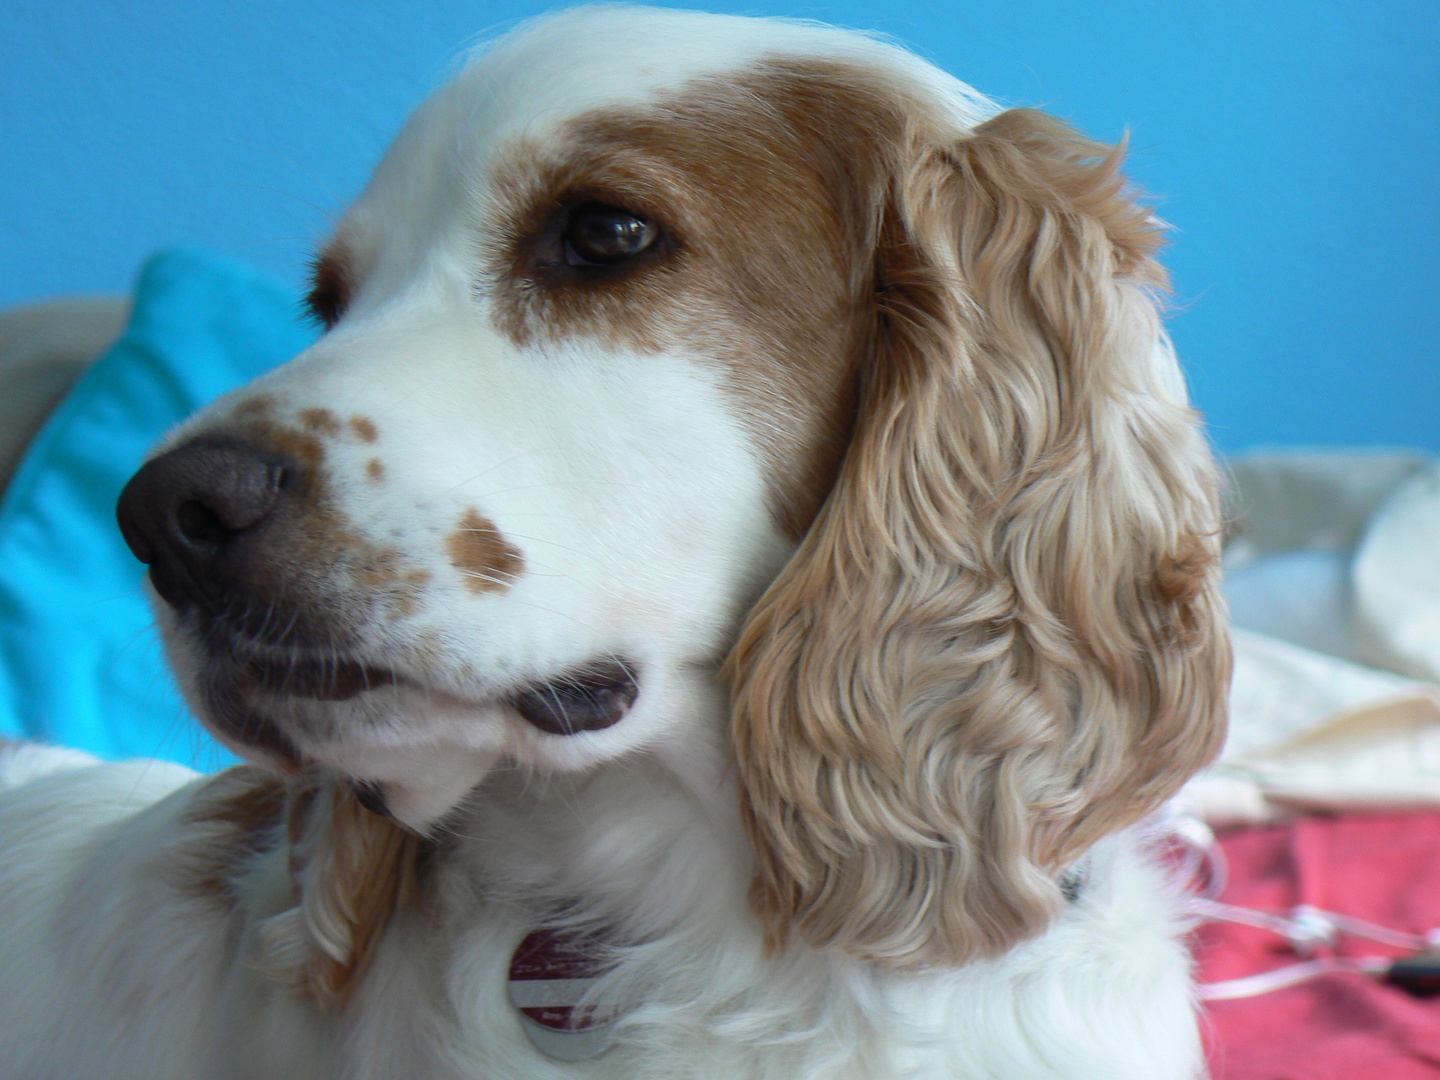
<point x="188" y="514"/>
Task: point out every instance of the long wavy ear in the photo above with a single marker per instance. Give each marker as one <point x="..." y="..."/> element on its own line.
<point x="352" y="871"/>
<point x="1002" y="637"/>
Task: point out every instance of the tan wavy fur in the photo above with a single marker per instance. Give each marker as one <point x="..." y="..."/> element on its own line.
<point x="352" y="871"/>
<point x="1002" y="636"/>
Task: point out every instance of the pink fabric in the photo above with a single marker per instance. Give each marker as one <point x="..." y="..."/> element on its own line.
<point x="1384" y="868"/>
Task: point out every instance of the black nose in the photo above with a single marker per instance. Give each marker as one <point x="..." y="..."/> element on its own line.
<point x="189" y="513"/>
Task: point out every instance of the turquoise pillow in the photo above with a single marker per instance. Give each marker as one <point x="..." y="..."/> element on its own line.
<point x="80" y="660"/>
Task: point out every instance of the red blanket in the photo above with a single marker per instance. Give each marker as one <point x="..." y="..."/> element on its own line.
<point x="1384" y="868"/>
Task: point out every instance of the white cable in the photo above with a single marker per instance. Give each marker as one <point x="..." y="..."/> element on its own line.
<point x="1383" y="934"/>
<point x="1307" y="928"/>
<point x="1304" y="937"/>
<point x="1264" y="983"/>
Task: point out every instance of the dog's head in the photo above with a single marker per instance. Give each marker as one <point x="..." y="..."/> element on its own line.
<point x="661" y="338"/>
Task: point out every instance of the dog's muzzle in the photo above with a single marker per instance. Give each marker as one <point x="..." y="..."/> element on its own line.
<point x="229" y="532"/>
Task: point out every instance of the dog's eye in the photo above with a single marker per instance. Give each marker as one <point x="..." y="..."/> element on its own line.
<point x="599" y="235"/>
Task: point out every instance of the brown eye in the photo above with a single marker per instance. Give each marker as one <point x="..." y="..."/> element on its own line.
<point x="599" y="235"/>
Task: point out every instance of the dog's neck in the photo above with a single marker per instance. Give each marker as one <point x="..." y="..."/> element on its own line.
<point x="651" y="864"/>
<point x="645" y="846"/>
<point x="648" y="858"/>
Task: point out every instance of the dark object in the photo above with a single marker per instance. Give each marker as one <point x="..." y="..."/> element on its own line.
<point x="188" y="513"/>
<point x="372" y="797"/>
<point x="585" y="700"/>
<point x="599" y="235"/>
<point x="1419" y="975"/>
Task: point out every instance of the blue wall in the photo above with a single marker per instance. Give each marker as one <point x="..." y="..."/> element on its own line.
<point x="1294" y="145"/>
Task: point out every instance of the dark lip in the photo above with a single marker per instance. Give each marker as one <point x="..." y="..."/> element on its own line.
<point x="320" y="679"/>
<point x="274" y="633"/>
<point x="242" y="675"/>
<point x="296" y="669"/>
<point x="230" y="712"/>
<point x="589" y="698"/>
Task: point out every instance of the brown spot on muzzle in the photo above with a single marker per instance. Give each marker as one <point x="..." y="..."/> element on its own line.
<point x="301" y="446"/>
<point x="309" y="575"/>
<point x="364" y="429"/>
<point x="321" y="420"/>
<point x="487" y="560"/>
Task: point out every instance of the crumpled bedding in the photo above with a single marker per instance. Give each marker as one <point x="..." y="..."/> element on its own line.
<point x="1334" y="586"/>
<point x="1328" y="790"/>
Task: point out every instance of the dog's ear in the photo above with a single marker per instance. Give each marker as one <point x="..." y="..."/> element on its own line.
<point x="1002" y="637"/>
<point x="352" y="870"/>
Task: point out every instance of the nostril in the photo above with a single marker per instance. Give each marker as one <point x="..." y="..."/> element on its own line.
<point x="198" y="524"/>
<point x="228" y="497"/>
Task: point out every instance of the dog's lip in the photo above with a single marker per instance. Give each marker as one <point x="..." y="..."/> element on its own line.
<point x="325" y="672"/>
<point x="320" y="678"/>
<point x="233" y="718"/>
<point x="592" y="697"/>
<point x="585" y="697"/>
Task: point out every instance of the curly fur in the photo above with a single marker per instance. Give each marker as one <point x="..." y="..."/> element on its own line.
<point x="1002" y="638"/>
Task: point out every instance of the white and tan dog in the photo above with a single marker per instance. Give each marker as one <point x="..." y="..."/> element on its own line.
<point x="744" y="518"/>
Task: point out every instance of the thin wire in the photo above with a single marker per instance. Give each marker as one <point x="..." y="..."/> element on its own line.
<point x="1306" y="928"/>
<point x="1269" y="981"/>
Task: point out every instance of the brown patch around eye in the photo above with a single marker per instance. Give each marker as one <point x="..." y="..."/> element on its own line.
<point x="375" y="469"/>
<point x="321" y="420"/>
<point x="487" y="560"/>
<point x="769" y="219"/>
<point x="364" y="429"/>
<point x="329" y="293"/>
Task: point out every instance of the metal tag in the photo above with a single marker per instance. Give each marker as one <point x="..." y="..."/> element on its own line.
<point x="549" y="974"/>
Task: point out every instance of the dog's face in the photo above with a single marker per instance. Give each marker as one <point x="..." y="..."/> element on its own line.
<point x="638" y="306"/>
<point x="588" y="375"/>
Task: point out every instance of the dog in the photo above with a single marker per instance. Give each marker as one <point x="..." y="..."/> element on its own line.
<point x="722" y="599"/>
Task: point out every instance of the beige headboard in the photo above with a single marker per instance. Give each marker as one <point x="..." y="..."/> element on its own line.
<point x="43" y="349"/>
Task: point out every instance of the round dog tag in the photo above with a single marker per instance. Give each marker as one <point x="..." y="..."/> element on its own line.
<point x="549" y="973"/>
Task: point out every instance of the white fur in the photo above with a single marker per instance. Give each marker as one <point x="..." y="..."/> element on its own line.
<point x="1104" y="994"/>
<point x="637" y="496"/>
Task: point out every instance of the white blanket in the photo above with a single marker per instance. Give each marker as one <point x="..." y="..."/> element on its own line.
<point x="1333" y="575"/>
